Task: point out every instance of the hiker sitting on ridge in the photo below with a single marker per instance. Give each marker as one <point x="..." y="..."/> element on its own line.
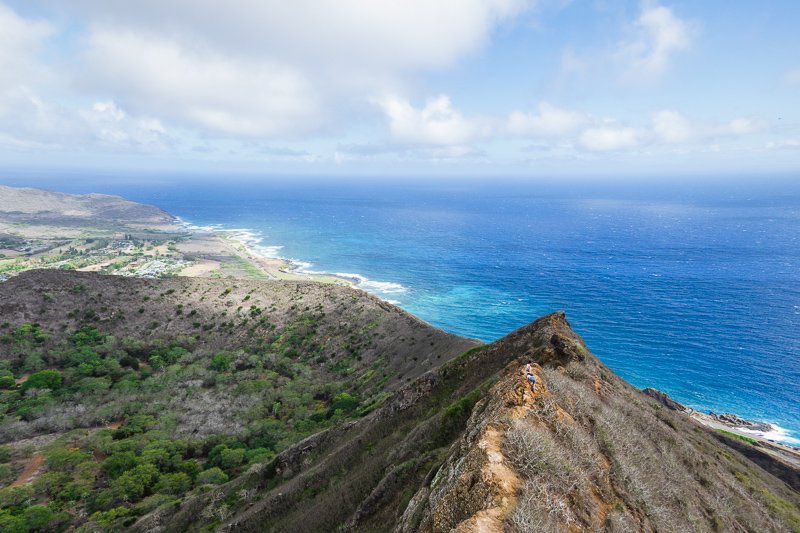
<point x="530" y="376"/>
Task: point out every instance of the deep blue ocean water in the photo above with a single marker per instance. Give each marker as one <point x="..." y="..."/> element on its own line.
<point x="693" y="290"/>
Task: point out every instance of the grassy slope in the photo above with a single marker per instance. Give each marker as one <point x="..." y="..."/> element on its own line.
<point x="593" y="449"/>
<point x="606" y="456"/>
<point x="250" y="365"/>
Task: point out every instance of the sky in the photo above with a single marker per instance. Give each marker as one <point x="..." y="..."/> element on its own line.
<point x="402" y="87"/>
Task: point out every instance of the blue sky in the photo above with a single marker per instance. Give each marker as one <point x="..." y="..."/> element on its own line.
<point x="394" y="87"/>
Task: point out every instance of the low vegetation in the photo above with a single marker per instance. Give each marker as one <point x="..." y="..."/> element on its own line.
<point x="128" y="416"/>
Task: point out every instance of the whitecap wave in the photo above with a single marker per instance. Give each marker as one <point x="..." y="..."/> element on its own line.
<point x="369" y="285"/>
<point x="253" y="243"/>
<point x="777" y="433"/>
<point x="193" y="227"/>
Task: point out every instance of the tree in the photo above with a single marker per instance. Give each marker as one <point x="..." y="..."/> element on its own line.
<point x="176" y="484"/>
<point x="133" y="484"/>
<point x="38" y="517"/>
<point x="213" y="476"/>
<point x="46" y="379"/>
<point x="221" y="362"/>
<point x="118" y="464"/>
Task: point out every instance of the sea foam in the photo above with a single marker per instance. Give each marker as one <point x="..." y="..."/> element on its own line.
<point x="253" y="243"/>
<point x="777" y="434"/>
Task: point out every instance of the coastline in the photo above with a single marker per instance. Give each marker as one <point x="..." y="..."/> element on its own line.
<point x="172" y="246"/>
<point x="247" y="244"/>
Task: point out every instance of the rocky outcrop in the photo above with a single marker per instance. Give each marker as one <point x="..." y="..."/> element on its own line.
<point x="734" y="421"/>
<point x="664" y="399"/>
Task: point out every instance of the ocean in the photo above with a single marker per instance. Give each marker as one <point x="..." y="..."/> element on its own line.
<point x="691" y="289"/>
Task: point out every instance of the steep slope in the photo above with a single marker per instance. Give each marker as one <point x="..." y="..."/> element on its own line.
<point x="469" y="447"/>
<point x="587" y="452"/>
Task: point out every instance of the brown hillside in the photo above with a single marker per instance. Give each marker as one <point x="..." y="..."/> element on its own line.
<point x="329" y="332"/>
<point x="41" y="206"/>
<point x="468" y="447"/>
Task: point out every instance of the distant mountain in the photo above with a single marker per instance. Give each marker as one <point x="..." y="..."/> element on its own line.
<point x="39" y="205"/>
<point x="231" y="405"/>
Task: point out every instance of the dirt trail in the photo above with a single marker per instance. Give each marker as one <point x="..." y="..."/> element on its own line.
<point x="31" y="471"/>
<point x="504" y="480"/>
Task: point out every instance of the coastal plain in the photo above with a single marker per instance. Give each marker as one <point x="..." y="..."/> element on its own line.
<point x="108" y="234"/>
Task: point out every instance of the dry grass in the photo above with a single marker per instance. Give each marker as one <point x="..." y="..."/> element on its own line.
<point x="597" y="456"/>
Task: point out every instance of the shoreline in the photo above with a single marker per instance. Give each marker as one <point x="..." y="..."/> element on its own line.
<point x="266" y="256"/>
<point x="248" y="243"/>
<point x="178" y="247"/>
<point x="746" y="430"/>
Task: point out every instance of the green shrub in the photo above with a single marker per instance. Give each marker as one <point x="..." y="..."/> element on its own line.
<point x="175" y="484"/>
<point x="133" y="484"/>
<point x="231" y="458"/>
<point x="5" y="453"/>
<point x="258" y="455"/>
<point x="344" y="402"/>
<point x="87" y="336"/>
<point x="113" y="519"/>
<point x="7" y="380"/>
<point x="45" y="379"/>
<point x="16" y="496"/>
<point x="38" y="517"/>
<point x="221" y="362"/>
<point x="133" y="426"/>
<point x="119" y="463"/>
<point x="6" y="473"/>
<point x="65" y="460"/>
<point x="190" y="467"/>
<point x="29" y="332"/>
<point x="10" y="523"/>
<point x="213" y="476"/>
<point x="51" y="483"/>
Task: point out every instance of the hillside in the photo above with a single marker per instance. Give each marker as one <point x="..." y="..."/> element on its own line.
<point x="468" y="447"/>
<point x="41" y="206"/>
<point x="199" y="404"/>
<point x="192" y="374"/>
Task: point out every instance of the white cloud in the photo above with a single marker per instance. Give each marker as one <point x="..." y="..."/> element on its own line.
<point x="785" y="144"/>
<point x="672" y="127"/>
<point x="657" y="36"/>
<point x="793" y="77"/>
<point x="274" y="68"/>
<point x="607" y="138"/>
<point x="551" y="121"/>
<point x="739" y="126"/>
<point x="201" y="89"/>
<point x="437" y="123"/>
<point x="21" y="40"/>
<point x="109" y="125"/>
<point x="387" y="34"/>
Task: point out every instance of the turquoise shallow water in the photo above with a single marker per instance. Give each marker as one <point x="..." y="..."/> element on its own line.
<point x="695" y="291"/>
